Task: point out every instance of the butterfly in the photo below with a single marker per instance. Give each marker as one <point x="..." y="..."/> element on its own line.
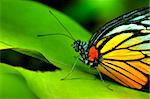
<point x="121" y="49"/>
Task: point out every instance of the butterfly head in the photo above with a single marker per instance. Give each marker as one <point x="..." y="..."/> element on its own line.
<point x="81" y="48"/>
<point x="77" y="45"/>
<point x="88" y="56"/>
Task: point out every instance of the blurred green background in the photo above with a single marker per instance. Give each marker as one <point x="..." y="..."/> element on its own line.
<point x="93" y="14"/>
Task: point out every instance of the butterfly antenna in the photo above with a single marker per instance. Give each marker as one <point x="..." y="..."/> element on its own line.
<point x="72" y="69"/>
<point x="58" y="34"/>
<point x="62" y="25"/>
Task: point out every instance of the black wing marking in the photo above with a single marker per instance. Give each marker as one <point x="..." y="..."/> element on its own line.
<point x="126" y="19"/>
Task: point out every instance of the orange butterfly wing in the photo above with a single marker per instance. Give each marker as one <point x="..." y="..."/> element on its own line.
<point x="125" y="60"/>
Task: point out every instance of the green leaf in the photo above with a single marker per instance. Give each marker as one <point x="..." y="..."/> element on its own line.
<point x="13" y="85"/>
<point x="21" y="22"/>
<point x="32" y="53"/>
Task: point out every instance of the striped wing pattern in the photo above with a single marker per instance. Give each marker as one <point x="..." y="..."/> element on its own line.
<point x="125" y="52"/>
<point x="125" y="60"/>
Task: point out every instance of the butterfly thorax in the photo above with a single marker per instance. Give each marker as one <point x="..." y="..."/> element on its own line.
<point x="88" y="55"/>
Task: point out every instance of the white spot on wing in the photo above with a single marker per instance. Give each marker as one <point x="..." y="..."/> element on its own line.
<point x="126" y="27"/>
<point x="138" y="18"/>
<point x="148" y="28"/>
<point x="146" y="22"/>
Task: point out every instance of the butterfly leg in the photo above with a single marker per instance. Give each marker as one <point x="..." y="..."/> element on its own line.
<point x="107" y="85"/>
<point x="73" y="67"/>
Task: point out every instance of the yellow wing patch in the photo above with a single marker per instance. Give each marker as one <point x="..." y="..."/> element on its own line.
<point x="123" y="54"/>
<point x="134" y="41"/>
<point x="115" y="41"/>
<point x="140" y="66"/>
<point x="146" y="53"/>
<point x="145" y="31"/>
<point x="100" y="42"/>
<point x="146" y="60"/>
<point x="144" y="46"/>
